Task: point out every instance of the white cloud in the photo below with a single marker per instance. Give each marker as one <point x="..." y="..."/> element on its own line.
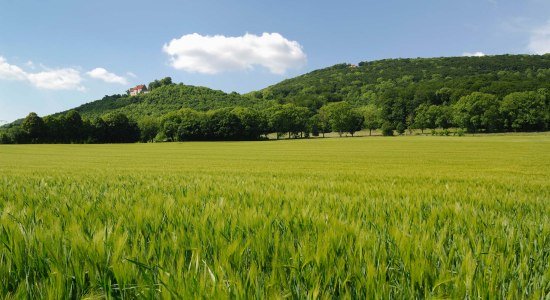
<point x="539" y="42"/>
<point x="102" y="74"/>
<point x="60" y="79"/>
<point x="131" y="74"/>
<point x="11" y="72"/>
<point x="50" y="79"/>
<point x="215" y="54"/>
<point x="477" y="54"/>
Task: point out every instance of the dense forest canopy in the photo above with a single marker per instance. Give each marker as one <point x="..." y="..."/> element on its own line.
<point x="475" y="94"/>
<point x="433" y="80"/>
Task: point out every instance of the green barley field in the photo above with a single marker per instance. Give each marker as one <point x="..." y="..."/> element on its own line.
<point x="370" y="217"/>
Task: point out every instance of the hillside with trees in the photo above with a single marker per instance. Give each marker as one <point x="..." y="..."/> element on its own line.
<point x="398" y="87"/>
<point x="164" y="97"/>
<point x="468" y="94"/>
<point x="431" y="80"/>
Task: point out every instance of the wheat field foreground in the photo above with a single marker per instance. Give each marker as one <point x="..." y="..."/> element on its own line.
<point x="395" y="217"/>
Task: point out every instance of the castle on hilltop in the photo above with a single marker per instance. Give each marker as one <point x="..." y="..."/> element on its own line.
<point x="138" y="89"/>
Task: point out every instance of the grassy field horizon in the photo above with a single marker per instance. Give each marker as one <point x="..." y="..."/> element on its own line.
<point x="401" y="217"/>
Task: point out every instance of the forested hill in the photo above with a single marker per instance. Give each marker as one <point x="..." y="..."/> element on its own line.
<point x="162" y="100"/>
<point x="420" y="80"/>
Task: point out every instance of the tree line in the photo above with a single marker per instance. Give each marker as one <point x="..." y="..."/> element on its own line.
<point x="482" y="112"/>
<point x="477" y="112"/>
<point x="72" y="128"/>
<point x="238" y="123"/>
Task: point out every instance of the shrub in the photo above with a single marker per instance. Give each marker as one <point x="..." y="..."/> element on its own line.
<point x="401" y="128"/>
<point x="387" y="129"/>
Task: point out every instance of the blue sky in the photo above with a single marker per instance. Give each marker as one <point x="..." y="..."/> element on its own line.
<point x="57" y="54"/>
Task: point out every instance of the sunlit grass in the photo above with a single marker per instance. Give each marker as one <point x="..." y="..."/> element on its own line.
<point x="376" y="217"/>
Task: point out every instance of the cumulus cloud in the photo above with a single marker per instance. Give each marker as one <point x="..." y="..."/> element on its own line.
<point x="539" y="42"/>
<point x="51" y="79"/>
<point x="216" y="54"/>
<point x="11" y="72"/>
<point x="102" y="74"/>
<point x="60" y="79"/>
<point x="477" y="54"/>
